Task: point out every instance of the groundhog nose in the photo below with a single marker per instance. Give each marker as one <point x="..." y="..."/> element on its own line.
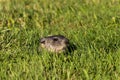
<point x="42" y="41"/>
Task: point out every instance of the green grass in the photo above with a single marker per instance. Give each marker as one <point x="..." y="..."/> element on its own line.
<point x="92" y="25"/>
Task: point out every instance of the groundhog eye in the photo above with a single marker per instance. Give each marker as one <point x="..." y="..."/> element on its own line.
<point x="55" y="39"/>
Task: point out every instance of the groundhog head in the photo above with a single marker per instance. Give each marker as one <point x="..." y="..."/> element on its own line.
<point x="56" y="43"/>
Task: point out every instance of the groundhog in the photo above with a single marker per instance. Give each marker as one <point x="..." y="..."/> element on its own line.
<point x="55" y="43"/>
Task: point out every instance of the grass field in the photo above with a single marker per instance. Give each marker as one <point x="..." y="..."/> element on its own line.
<point x="92" y="25"/>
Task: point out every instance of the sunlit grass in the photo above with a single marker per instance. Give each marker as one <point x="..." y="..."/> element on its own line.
<point x="92" y="25"/>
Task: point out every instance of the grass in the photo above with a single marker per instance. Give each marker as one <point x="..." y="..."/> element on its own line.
<point x="92" y="25"/>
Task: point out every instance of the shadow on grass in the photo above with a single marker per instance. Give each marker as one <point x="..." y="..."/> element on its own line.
<point x="72" y="47"/>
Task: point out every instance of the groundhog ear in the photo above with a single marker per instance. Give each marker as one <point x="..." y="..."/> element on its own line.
<point x="67" y="41"/>
<point x="42" y="40"/>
